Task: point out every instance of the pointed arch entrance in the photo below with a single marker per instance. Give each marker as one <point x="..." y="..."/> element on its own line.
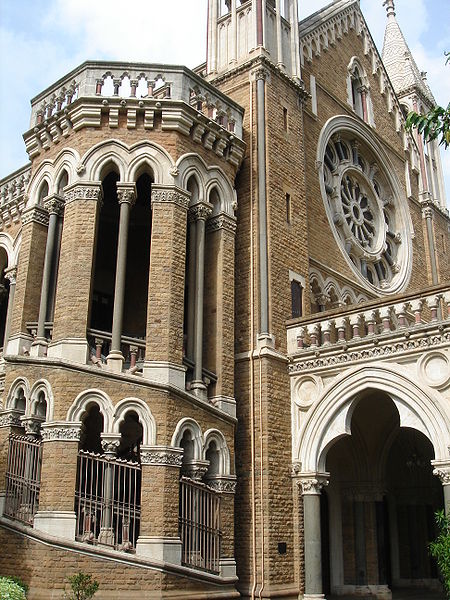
<point x="367" y="453"/>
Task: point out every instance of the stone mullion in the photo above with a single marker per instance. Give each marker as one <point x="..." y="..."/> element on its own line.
<point x="160" y="483"/>
<point x="76" y="268"/>
<point x="164" y="335"/>
<point x="29" y="277"/>
<point x="56" y="514"/>
<point x="223" y="229"/>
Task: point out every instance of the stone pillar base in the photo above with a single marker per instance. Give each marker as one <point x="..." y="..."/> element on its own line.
<point x="19" y="343"/>
<point x="58" y="523"/>
<point x="225" y="403"/>
<point x="2" y="503"/>
<point x="160" y="548"/>
<point x="227" y="567"/>
<point x="106" y="536"/>
<point x="199" y="389"/>
<point x="72" y="349"/>
<point x="165" y="372"/>
<point x="115" y="360"/>
<point x="39" y="347"/>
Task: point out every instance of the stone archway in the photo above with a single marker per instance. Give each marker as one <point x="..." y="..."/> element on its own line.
<point x="381" y="498"/>
<point x="408" y="407"/>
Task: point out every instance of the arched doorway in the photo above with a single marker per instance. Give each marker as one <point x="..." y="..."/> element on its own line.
<point x="379" y="504"/>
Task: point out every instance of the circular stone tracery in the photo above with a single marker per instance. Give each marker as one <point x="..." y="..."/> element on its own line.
<point x="363" y="210"/>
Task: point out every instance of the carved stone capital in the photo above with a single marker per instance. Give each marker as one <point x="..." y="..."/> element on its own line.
<point x="196" y="470"/>
<point x="60" y="431"/>
<point x="32" y="425"/>
<point x="54" y="205"/>
<point x="442" y="470"/>
<point x="222" y="221"/>
<point x="11" y="275"/>
<point x="83" y="191"/>
<point x="170" y="194"/>
<point x="200" y="211"/>
<point x="110" y="443"/>
<point x="260" y="73"/>
<point x="35" y="214"/>
<point x="126" y="193"/>
<point x="224" y="484"/>
<point x="312" y="483"/>
<point x="161" y="456"/>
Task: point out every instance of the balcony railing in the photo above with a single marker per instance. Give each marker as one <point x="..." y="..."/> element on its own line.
<point x="372" y="322"/>
<point x="108" y="501"/>
<point x="23" y="478"/>
<point x="140" y="82"/>
<point x="133" y="349"/>
<point x="199" y="526"/>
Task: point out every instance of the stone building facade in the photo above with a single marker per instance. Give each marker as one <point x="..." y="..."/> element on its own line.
<point x="225" y="312"/>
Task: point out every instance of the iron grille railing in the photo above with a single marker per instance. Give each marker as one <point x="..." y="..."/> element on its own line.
<point x="199" y="525"/>
<point x="23" y="478"/>
<point x="108" y="501"/>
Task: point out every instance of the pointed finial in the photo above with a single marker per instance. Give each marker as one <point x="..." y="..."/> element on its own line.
<point x="390" y="7"/>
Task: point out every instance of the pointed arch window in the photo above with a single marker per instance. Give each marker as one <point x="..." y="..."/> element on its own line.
<point x="358" y="91"/>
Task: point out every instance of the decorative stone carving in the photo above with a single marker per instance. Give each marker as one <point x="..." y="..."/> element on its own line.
<point x="11" y="275"/>
<point x="223" y="485"/>
<point x="306" y="391"/>
<point x="200" y="211"/>
<point x="32" y="425"/>
<point x="313" y="483"/>
<point x="126" y="193"/>
<point x="443" y="472"/>
<point x="54" y="205"/>
<point x="110" y="446"/>
<point x="222" y="221"/>
<point x="35" y="214"/>
<point x="171" y="195"/>
<point x="196" y="470"/>
<point x="10" y="418"/>
<point x="161" y="457"/>
<point x="80" y="191"/>
<point x="61" y="433"/>
<point x="434" y="367"/>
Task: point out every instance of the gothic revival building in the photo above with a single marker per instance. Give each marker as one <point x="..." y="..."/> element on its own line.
<point x="226" y="320"/>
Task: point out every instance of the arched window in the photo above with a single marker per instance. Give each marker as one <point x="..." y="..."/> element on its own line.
<point x="4" y="294"/>
<point x="358" y="91"/>
<point x="91" y="429"/>
<point x="19" y="402"/>
<point x="130" y="437"/>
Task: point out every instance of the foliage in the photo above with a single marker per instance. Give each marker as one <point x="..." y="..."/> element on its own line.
<point x="440" y="549"/>
<point x="83" y="587"/>
<point x="19" y="582"/>
<point x="433" y="124"/>
<point x="9" y="590"/>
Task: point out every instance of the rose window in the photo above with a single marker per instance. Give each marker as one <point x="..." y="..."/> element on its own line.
<point x="363" y="210"/>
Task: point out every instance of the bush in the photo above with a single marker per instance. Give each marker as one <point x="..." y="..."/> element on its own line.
<point x="440" y="549"/>
<point x="9" y="590"/>
<point x="83" y="587"/>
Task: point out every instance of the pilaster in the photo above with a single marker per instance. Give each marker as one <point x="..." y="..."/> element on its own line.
<point x="164" y="347"/>
<point x="9" y="419"/>
<point x="75" y="275"/>
<point x="56" y="514"/>
<point x="29" y="278"/>
<point x="159" y="538"/>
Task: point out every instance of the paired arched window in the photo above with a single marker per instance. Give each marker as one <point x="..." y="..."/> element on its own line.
<point x="358" y="91"/>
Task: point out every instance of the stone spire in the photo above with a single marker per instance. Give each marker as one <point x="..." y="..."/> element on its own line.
<point x="399" y="62"/>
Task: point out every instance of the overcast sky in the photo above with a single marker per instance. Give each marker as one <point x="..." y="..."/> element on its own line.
<point x="41" y="40"/>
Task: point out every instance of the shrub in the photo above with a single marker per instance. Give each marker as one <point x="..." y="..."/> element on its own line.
<point x="83" y="587"/>
<point x="440" y="549"/>
<point x="9" y="590"/>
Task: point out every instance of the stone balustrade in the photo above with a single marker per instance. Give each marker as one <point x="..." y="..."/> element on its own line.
<point x="136" y="85"/>
<point x="12" y="196"/>
<point x="404" y="319"/>
<point x="133" y="349"/>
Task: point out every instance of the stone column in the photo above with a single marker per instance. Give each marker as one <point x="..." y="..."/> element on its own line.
<point x="110" y="445"/>
<point x="190" y="316"/>
<point x="312" y="484"/>
<point x="280" y="61"/>
<point x="427" y="212"/>
<point x="11" y="275"/>
<point x="9" y="422"/>
<point x="164" y="345"/>
<point x="76" y="268"/>
<point x="29" y="278"/>
<point x="55" y="207"/>
<point x="126" y="194"/>
<point x="219" y="309"/>
<point x="226" y="486"/>
<point x="56" y="514"/>
<point x="201" y="212"/>
<point x="159" y="535"/>
<point x="442" y="470"/>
